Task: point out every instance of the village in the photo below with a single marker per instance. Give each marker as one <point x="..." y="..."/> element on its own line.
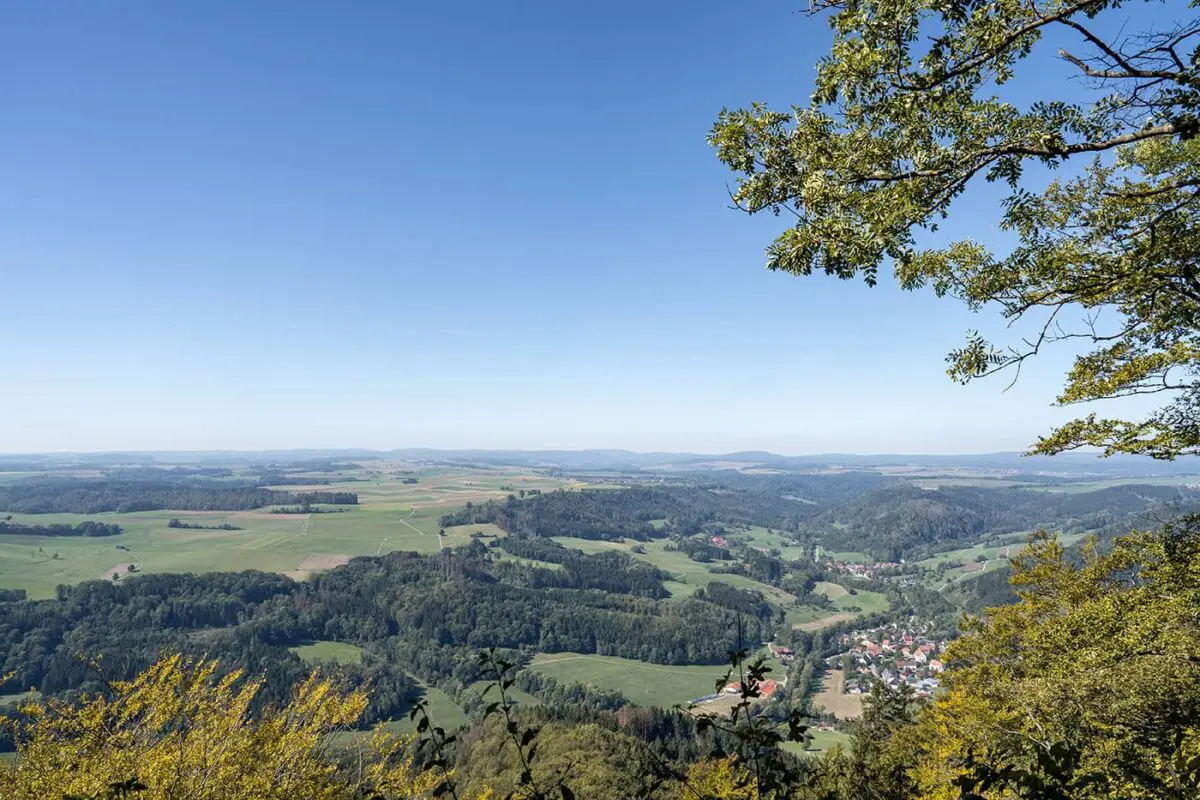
<point x="877" y="570"/>
<point x="895" y="654"/>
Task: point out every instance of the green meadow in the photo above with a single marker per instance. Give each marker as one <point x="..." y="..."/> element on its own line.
<point x="642" y="683"/>
<point x="391" y="516"/>
<point x="328" y="653"/>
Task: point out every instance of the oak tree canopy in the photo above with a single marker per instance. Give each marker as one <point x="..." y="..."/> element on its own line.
<point x="910" y="108"/>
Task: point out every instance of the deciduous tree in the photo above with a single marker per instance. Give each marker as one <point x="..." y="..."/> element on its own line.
<point x="910" y="109"/>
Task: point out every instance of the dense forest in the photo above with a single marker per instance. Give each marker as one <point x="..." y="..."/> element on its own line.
<point x="904" y="521"/>
<point x="895" y="520"/>
<point x="415" y="616"/>
<point x="88" y="496"/>
<point x="85" y="528"/>
<point x="609" y="572"/>
<point x="631" y="513"/>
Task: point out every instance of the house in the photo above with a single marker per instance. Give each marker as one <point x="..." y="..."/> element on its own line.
<point x="720" y="541"/>
<point x="766" y="688"/>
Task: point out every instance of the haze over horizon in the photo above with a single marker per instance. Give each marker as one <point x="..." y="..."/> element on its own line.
<point x="273" y="226"/>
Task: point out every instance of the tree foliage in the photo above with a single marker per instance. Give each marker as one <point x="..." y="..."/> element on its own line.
<point x="1089" y="685"/>
<point x="901" y="123"/>
<point x="85" y="528"/>
<point x="178" y="730"/>
<point x="88" y="496"/>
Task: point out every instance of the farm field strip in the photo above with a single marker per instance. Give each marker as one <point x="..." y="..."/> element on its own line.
<point x="642" y="683"/>
<point x="386" y="520"/>
<point x="834" y="700"/>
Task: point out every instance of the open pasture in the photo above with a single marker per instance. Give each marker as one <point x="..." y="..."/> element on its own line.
<point x="440" y="488"/>
<point x="328" y="653"/>
<point x="770" y="539"/>
<point x="642" y="683"/>
<point x="389" y="517"/>
<point x="834" y="700"/>
<point x="820" y="740"/>
<point x="846" y="606"/>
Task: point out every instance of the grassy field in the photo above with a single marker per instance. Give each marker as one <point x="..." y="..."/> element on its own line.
<point x="821" y="741"/>
<point x="513" y="693"/>
<point x="328" y="652"/>
<point x="832" y="699"/>
<point x="831" y="590"/>
<point x="869" y="602"/>
<point x="442" y="710"/>
<point x="824" y="620"/>
<point x="392" y="515"/>
<point x="500" y="555"/>
<point x="846" y="606"/>
<point x="1092" y="486"/>
<point x="644" y="684"/>
<point x="997" y="556"/>
<point x="765" y="537"/>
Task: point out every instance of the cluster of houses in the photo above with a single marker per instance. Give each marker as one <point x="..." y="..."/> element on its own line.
<point x="766" y="688"/>
<point x="862" y="570"/>
<point x="784" y="654"/>
<point x="893" y="654"/>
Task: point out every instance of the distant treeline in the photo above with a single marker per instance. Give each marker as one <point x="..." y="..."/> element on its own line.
<point x="173" y="474"/>
<point x="87" y="528"/>
<point x="221" y="477"/>
<point x="890" y="520"/>
<point x="329" y="498"/>
<point x="629" y="513"/>
<point x="906" y="521"/>
<point x="318" y="465"/>
<point x="286" y="479"/>
<point x="21" y="466"/>
<point x="195" y="526"/>
<point x="84" y="496"/>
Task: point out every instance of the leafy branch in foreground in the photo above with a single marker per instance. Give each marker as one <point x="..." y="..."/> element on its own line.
<point x="900" y="125"/>
<point x="180" y="730"/>
<point x="761" y="766"/>
<point x="522" y="738"/>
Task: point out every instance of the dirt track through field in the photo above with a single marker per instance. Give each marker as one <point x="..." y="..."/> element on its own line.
<point x="315" y="561"/>
<point x="441" y="544"/>
<point x="119" y="569"/>
<point x="825" y="622"/>
<point x="833" y="698"/>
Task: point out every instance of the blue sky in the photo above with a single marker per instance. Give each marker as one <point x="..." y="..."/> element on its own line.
<point x="455" y="224"/>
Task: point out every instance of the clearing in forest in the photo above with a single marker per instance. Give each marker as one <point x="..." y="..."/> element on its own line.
<point x="645" y="684"/>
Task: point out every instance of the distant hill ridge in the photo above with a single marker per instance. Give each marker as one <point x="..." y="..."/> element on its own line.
<point x="631" y="461"/>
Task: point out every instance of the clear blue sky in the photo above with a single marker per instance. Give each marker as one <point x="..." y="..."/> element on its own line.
<point x="450" y="224"/>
